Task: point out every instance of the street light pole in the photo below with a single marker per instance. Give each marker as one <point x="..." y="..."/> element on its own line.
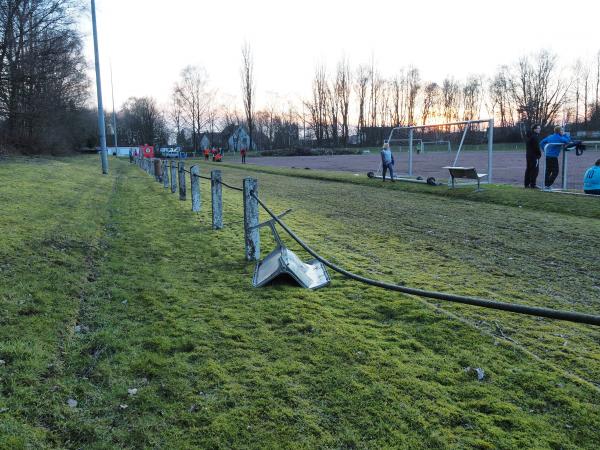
<point x="101" y="126"/>
<point x="114" y="117"/>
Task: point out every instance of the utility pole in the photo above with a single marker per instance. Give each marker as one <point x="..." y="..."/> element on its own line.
<point x="101" y="126"/>
<point x="112" y="88"/>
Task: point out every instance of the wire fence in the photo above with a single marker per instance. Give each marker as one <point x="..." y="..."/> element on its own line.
<point x="162" y="169"/>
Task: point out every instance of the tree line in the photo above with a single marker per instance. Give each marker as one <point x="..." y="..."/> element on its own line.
<point x="45" y="94"/>
<point x="358" y="105"/>
<point x="43" y="83"/>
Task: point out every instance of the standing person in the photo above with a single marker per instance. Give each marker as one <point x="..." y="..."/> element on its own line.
<point x="591" y="179"/>
<point x="533" y="155"/>
<point x="243" y="155"/>
<point x="206" y="152"/>
<point x="387" y="161"/>
<point x="557" y="139"/>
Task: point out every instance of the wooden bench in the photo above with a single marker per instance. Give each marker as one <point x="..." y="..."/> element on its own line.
<point x="465" y="172"/>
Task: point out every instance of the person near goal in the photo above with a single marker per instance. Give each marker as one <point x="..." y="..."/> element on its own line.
<point x="243" y="155"/>
<point x="533" y="155"/>
<point x="558" y="139"/>
<point x="591" y="179"/>
<point x="387" y="161"/>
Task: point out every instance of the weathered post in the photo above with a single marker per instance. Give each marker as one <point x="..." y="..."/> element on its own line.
<point x="157" y="170"/>
<point x="181" y="168"/>
<point x="130" y="156"/>
<point x="195" y="183"/>
<point x="173" y="177"/>
<point x="216" y="191"/>
<point x="165" y="174"/>
<point x="251" y="233"/>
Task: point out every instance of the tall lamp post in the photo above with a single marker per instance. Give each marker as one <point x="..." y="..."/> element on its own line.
<point x="101" y="127"/>
<point x="114" y="114"/>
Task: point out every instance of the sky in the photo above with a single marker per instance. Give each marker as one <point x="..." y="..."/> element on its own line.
<point x="148" y="42"/>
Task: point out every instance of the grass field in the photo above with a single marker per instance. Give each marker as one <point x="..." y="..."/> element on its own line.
<point x="115" y="295"/>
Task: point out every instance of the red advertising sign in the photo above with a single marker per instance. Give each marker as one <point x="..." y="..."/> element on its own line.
<point x="147" y="151"/>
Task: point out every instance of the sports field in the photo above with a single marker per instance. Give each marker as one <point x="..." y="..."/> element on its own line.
<point x="127" y="322"/>
<point x="508" y="166"/>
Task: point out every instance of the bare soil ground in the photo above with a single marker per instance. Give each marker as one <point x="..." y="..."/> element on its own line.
<point x="508" y="167"/>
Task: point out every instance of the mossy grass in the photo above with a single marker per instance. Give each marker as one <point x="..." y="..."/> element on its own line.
<point x="110" y="284"/>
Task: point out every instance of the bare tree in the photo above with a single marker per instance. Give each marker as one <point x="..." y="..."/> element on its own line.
<point x="143" y="122"/>
<point x="413" y="85"/>
<point x="360" y="87"/>
<point x="499" y="90"/>
<point x="472" y="91"/>
<point x="248" y="87"/>
<point x="450" y="100"/>
<point x="597" y="102"/>
<point x="343" y="87"/>
<point x="195" y="100"/>
<point x="375" y="88"/>
<point x="318" y="107"/>
<point x="430" y="100"/>
<point x="585" y="75"/>
<point x="537" y="89"/>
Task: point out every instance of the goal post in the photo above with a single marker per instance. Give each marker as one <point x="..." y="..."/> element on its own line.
<point x="460" y="129"/>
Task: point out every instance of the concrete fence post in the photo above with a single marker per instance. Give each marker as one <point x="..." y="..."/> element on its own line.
<point x="216" y="191"/>
<point x="251" y="234"/>
<point x="173" y="177"/>
<point x="181" y="169"/>
<point x="165" y="174"/>
<point x="195" y="185"/>
<point x="157" y="170"/>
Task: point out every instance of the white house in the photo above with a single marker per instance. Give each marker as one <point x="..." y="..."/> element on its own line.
<point x="237" y="137"/>
<point x="204" y="142"/>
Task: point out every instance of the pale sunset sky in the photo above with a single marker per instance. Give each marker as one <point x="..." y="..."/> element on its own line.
<point x="150" y="41"/>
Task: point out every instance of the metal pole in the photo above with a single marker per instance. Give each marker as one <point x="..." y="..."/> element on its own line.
<point x="101" y="127"/>
<point x="112" y="88"/>
<point x="490" y="149"/>
<point x="410" y="152"/>
<point x="462" y="140"/>
<point x="564" y="167"/>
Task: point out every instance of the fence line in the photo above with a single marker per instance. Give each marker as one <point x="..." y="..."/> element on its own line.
<point x="251" y="203"/>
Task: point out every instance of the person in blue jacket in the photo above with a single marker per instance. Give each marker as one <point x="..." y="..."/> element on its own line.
<point x="591" y="179"/>
<point x="387" y="161"/>
<point x="552" y="152"/>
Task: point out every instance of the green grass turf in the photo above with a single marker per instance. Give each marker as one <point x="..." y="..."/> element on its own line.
<point x="165" y="306"/>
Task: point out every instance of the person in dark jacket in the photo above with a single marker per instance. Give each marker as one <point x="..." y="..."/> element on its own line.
<point x="533" y="155"/>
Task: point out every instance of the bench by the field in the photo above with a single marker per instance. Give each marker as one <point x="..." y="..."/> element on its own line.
<point x="465" y="172"/>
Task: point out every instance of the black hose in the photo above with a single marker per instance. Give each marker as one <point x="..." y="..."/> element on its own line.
<point x="232" y="187"/>
<point x="511" y="307"/>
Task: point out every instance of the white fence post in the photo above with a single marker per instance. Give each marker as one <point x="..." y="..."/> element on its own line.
<point x="173" y="177"/>
<point x="217" y="199"/>
<point x="165" y="174"/>
<point x="195" y="185"/>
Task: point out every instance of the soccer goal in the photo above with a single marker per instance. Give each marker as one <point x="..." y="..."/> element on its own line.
<point x="445" y="143"/>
